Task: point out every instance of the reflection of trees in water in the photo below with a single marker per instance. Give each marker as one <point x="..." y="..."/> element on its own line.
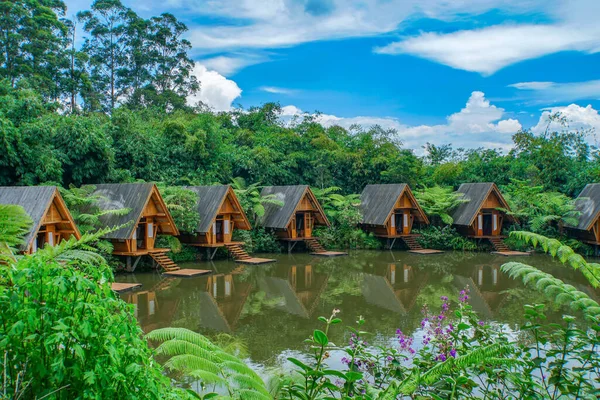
<point x="269" y="325"/>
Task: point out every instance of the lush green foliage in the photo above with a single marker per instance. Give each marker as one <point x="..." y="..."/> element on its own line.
<point x="439" y="202"/>
<point x="194" y="356"/>
<point x="183" y="206"/>
<point x="65" y="334"/>
<point x="445" y="238"/>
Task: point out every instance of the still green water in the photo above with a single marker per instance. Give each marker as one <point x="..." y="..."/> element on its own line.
<point x="272" y="308"/>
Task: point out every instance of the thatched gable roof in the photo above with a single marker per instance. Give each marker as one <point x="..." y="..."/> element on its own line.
<point x="377" y="202"/>
<point x="588" y="203"/>
<point x="210" y="201"/>
<point x="476" y="193"/>
<point x="35" y="200"/>
<point x="134" y="196"/>
<point x="279" y="217"/>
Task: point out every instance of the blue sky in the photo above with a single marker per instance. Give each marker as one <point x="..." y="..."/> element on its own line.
<point x="470" y="73"/>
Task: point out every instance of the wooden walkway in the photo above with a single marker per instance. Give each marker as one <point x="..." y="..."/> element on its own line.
<point x="188" y="273"/>
<point x="425" y="251"/>
<point x="255" y="261"/>
<point x="511" y="253"/>
<point x="329" y="254"/>
<point x="125" y="287"/>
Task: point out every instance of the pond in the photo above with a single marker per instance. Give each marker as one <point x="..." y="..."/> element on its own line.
<point x="272" y="308"/>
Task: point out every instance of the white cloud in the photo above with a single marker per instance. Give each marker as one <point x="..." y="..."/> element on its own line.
<point x="280" y="23"/>
<point x="277" y="90"/>
<point x="489" y="49"/>
<point x="229" y="65"/>
<point x="478" y="124"/>
<point x="577" y="117"/>
<point x="551" y="92"/>
<point x="573" y="27"/>
<point x="216" y="91"/>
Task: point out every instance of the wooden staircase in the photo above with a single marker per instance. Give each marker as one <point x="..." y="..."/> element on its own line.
<point x="164" y="262"/>
<point x="498" y="244"/>
<point x="314" y="245"/>
<point x="237" y="252"/>
<point x="412" y="243"/>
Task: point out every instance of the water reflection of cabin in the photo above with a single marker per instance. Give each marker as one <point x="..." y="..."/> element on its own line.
<point x="390" y="212"/>
<point x="154" y="308"/>
<point x="150" y="217"/>
<point x="220" y="215"/>
<point x="488" y="287"/>
<point x="52" y="221"/>
<point x="300" y="287"/>
<point x="588" y="204"/>
<point x="480" y="216"/>
<point x="294" y="220"/>
<point x="392" y="287"/>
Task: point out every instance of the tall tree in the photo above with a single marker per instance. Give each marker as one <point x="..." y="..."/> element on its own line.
<point x="32" y="39"/>
<point x="107" y="23"/>
<point x="172" y="66"/>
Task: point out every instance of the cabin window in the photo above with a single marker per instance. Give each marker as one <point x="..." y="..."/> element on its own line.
<point x="150" y="229"/>
<point x="50" y="238"/>
<point x="495" y="219"/>
<point x="480" y="222"/>
<point x="34" y="246"/>
<point x="405" y="220"/>
<point x="214" y="228"/>
<point x="151" y="307"/>
<point x="226" y="226"/>
<point x="393" y="221"/>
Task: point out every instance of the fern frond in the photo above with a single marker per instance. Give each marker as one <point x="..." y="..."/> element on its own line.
<point x="566" y="255"/>
<point x="554" y="289"/>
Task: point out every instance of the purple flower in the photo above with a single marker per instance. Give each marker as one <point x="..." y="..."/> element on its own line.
<point x="480" y="323"/>
<point x="453" y="353"/>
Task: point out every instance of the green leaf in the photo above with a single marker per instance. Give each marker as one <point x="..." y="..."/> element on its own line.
<point x="320" y="337"/>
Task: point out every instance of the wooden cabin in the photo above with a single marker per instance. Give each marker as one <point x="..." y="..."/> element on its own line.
<point x="52" y="221"/>
<point x="220" y="215"/>
<point x="299" y="214"/>
<point x="150" y="217"/>
<point x="390" y="211"/>
<point x="588" y="204"/>
<point x="480" y="216"/>
<point x="295" y="220"/>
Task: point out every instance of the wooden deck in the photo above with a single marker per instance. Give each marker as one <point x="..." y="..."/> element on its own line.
<point x="188" y="273"/>
<point x="213" y="245"/>
<point x="511" y="253"/>
<point x="124" y="287"/>
<point x="255" y="261"/>
<point x="426" y="251"/>
<point x="140" y="252"/>
<point x="329" y="254"/>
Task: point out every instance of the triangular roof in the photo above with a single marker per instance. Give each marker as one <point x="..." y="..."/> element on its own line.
<point x="210" y="201"/>
<point x="134" y="196"/>
<point x="279" y="217"/>
<point x="377" y="202"/>
<point x="588" y="203"/>
<point x="476" y="193"/>
<point x="35" y="200"/>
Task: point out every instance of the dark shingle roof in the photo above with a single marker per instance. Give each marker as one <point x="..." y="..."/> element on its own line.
<point x="278" y="217"/>
<point x="588" y="203"/>
<point x="209" y="203"/>
<point x="476" y="193"/>
<point x="117" y="196"/>
<point x="377" y="202"/>
<point x="34" y="199"/>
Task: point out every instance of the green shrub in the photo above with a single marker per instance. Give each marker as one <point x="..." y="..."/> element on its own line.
<point x="65" y="334"/>
<point x="445" y="238"/>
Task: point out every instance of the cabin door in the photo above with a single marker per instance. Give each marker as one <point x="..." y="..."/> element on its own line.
<point x="487" y="225"/>
<point x="308" y="225"/>
<point x="219" y="234"/>
<point x="300" y="225"/>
